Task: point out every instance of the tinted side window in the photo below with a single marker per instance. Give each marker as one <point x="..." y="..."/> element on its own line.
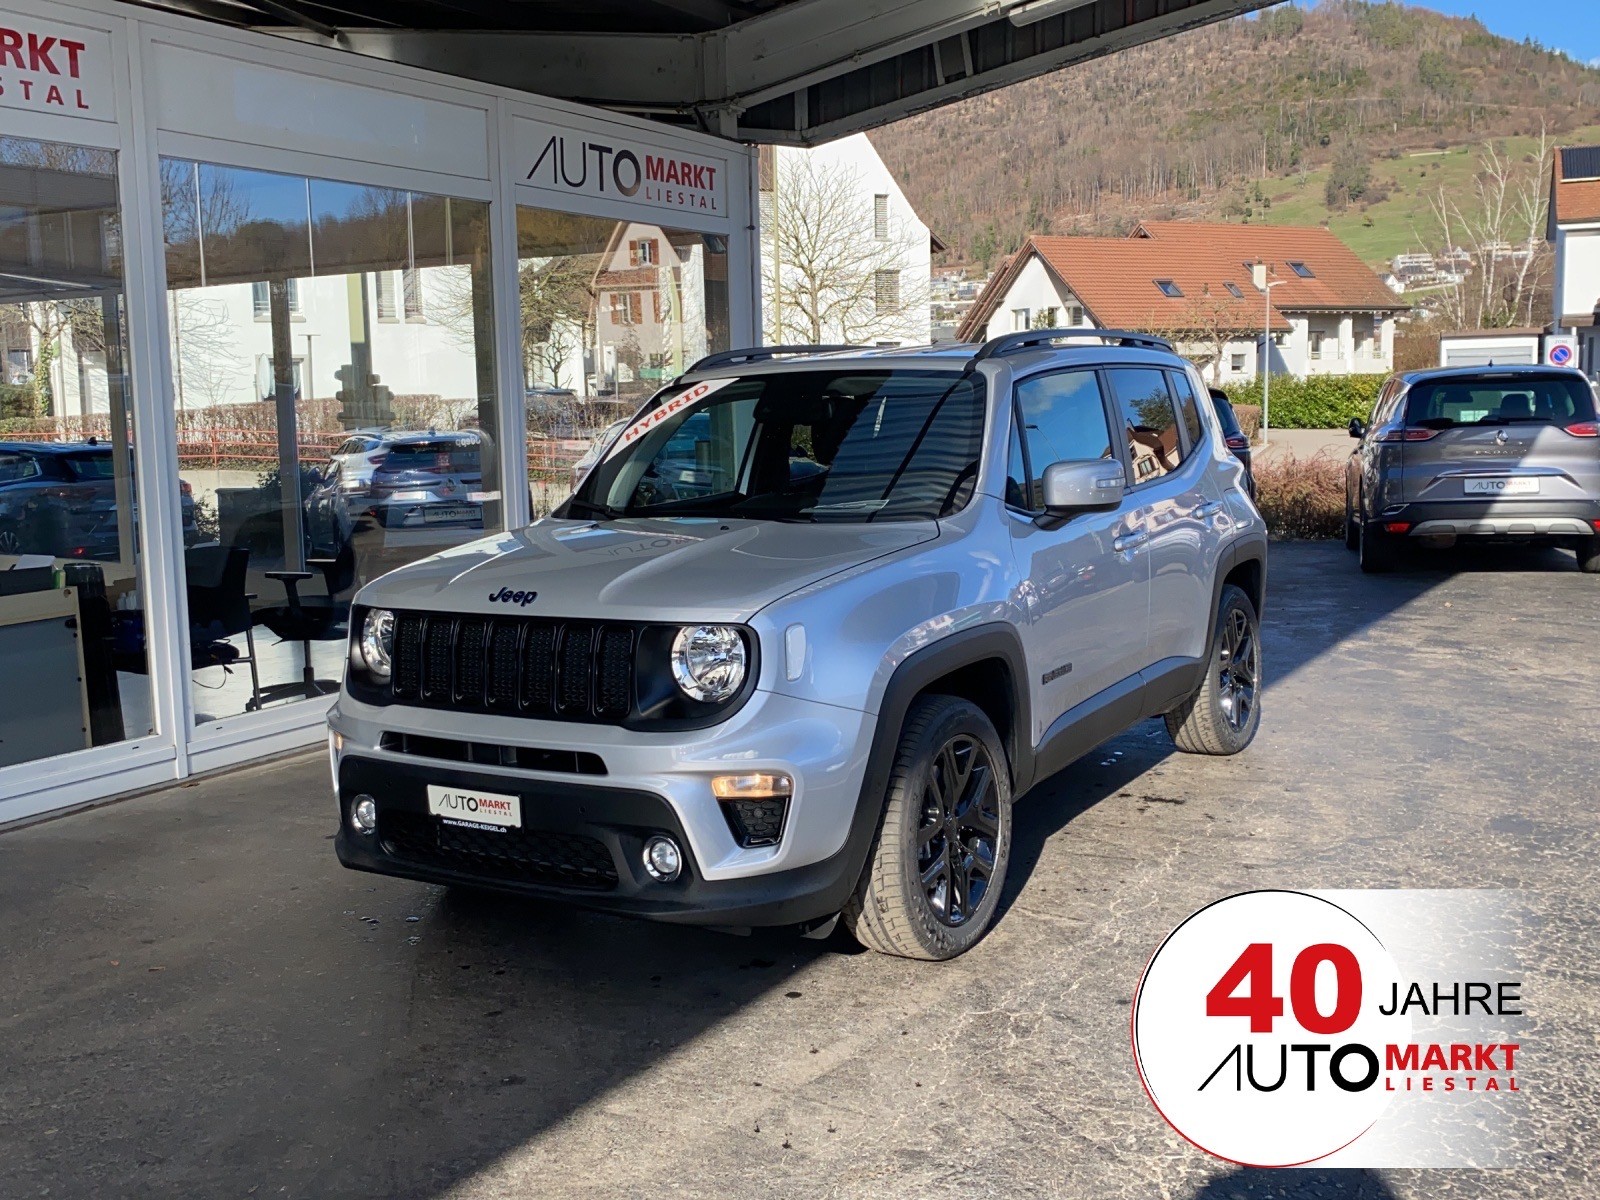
<point x="1188" y="407"/>
<point x="15" y="467"/>
<point x="1150" y="419"/>
<point x="1064" y="420"/>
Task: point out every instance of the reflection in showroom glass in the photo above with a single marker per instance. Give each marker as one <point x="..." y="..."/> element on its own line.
<point x="71" y="604"/>
<point x="332" y="360"/>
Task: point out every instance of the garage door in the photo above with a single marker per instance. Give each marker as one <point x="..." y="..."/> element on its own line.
<point x="1472" y="356"/>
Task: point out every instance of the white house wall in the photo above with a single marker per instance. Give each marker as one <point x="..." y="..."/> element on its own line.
<point x="856" y="155"/>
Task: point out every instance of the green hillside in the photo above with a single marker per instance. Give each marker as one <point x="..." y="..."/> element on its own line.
<point x="1404" y="219"/>
<point x="1244" y="121"/>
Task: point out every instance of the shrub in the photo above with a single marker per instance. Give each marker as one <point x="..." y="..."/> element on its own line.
<point x="17" y="400"/>
<point x="1249" y="417"/>
<point x="1316" y="402"/>
<point x="1301" y="497"/>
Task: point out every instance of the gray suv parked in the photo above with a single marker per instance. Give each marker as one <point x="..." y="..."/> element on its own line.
<point x="807" y="627"/>
<point x="1476" y="453"/>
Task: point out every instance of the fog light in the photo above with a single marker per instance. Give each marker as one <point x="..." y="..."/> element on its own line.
<point x="662" y="858"/>
<point x="364" y="814"/>
<point x="1396" y="527"/>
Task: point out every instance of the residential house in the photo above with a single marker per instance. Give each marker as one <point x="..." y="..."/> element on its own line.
<point x="1327" y="312"/>
<point x="844" y="256"/>
<point x="1575" y="231"/>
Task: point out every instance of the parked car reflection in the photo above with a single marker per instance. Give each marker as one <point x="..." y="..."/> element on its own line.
<point x="416" y="480"/>
<point x="60" y="499"/>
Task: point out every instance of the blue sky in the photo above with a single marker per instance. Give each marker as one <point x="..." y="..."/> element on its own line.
<point x="1570" y="25"/>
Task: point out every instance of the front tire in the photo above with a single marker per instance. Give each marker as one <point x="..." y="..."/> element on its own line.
<point x="1222" y="715"/>
<point x="938" y="864"/>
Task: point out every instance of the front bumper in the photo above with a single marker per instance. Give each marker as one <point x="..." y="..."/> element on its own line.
<point x="583" y="834"/>
<point x="1502" y="518"/>
<point x="583" y="845"/>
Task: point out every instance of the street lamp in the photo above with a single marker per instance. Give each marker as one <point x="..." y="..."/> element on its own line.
<point x="1259" y="277"/>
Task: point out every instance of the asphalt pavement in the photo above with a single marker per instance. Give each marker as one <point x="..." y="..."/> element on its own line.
<point x="196" y="1000"/>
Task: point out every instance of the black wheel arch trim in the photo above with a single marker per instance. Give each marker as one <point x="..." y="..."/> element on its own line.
<point x="964" y="648"/>
<point x="1247" y="547"/>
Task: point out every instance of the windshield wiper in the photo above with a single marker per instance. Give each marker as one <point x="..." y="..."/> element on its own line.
<point x="603" y="511"/>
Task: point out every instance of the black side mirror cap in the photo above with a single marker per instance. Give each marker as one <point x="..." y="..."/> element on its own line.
<point x="1358" y="427"/>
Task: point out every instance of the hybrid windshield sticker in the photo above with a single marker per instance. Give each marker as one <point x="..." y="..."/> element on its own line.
<point x="662" y="411"/>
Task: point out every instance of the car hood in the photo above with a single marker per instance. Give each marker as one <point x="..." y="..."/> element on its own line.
<point x="639" y="570"/>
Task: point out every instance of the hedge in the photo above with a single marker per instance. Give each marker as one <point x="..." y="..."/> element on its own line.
<point x="1315" y="402"/>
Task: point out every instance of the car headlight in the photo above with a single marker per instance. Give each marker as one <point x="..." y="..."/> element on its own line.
<point x="709" y="662"/>
<point x="377" y="643"/>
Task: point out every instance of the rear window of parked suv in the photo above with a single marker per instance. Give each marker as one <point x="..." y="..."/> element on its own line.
<point x="1546" y="399"/>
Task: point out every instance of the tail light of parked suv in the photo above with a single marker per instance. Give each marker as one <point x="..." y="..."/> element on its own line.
<point x="1237" y="441"/>
<point x="1407" y="433"/>
<point x="1585" y="429"/>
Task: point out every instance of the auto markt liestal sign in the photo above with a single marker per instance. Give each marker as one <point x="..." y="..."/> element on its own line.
<point x="571" y="161"/>
<point x="50" y="66"/>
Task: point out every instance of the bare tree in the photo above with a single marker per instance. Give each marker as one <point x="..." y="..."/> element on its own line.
<point x="1203" y="330"/>
<point x="1501" y="225"/>
<point x="558" y="311"/>
<point x="831" y="277"/>
<point x="207" y="367"/>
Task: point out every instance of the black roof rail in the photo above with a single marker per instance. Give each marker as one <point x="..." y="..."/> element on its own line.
<point x="1028" y="338"/>
<point x="752" y="354"/>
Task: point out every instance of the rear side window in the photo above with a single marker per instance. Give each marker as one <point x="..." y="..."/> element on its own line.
<point x="1537" y="399"/>
<point x="16" y="467"/>
<point x="1227" y="418"/>
<point x="91" y="466"/>
<point x="1188" y="407"/>
<point x="1151" y="421"/>
<point x="1063" y="420"/>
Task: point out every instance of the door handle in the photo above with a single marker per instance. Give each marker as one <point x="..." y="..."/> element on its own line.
<point x="1130" y="541"/>
<point x="1209" y="509"/>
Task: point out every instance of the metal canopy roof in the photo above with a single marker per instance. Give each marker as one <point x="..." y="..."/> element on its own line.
<point x="789" y="71"/>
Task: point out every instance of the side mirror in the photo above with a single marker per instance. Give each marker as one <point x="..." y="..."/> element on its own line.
<point x="1358" y="427"/>
<point x="1071" y="487"/>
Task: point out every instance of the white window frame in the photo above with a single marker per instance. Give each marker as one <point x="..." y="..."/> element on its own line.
<point x="132" y="124"/>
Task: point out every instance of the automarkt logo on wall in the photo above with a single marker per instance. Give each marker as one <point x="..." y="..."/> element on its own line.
<point x="50" y="66"/>
<point x="588" y="163"/>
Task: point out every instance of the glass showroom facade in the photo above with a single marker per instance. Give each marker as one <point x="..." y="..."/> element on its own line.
<point x="274" y="321"/>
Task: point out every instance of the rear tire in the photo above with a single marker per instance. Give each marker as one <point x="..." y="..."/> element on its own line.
<point x="938" y="863"/>
<point x="1589" y="556"/>
<point x="1377" y="550"/>
<point x="1222" y="715"/>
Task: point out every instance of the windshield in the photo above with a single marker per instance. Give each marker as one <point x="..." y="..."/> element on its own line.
<point x="797" y="446"/>
<point x="1542" y="399"/>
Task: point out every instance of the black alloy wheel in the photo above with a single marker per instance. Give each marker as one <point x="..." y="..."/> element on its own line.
<point x="1240" y="669"/>
<point x="959" y="831"/>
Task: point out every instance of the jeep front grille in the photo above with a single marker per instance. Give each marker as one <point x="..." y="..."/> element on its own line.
<point x="524" y="666"/>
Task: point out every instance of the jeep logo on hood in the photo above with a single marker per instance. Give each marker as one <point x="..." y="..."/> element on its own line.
<point x="507" y="596"/>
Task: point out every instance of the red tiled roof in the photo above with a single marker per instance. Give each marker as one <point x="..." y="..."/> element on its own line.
<point x="1573" y="200"/>
<point x="1342" y="281"/>
<point x="1115" y="278"/>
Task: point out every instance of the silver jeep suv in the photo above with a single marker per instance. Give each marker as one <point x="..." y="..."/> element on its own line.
<point x="808" y="625"/>
<point x="1476" y="453"/>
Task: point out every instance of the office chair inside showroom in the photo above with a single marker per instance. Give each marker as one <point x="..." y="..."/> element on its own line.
<point x="305" y="619"/>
